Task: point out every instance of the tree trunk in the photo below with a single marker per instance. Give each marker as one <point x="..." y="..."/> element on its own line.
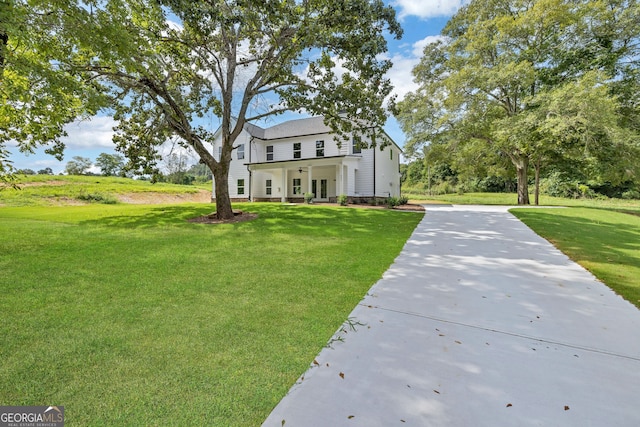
<point x="537" y="182"/>
<point x="223" y="202"/>
<point x="522" y="166"/>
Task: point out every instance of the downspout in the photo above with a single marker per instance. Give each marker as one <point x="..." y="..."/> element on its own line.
<point x="249" y="169"/>
<point x="373" y="138"/>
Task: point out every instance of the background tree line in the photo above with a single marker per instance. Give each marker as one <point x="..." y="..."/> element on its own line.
<point x="177" y="169"/>
<point x="542" y="92"/>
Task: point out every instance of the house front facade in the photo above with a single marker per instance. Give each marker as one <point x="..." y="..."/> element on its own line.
<point x="283" y="162"/>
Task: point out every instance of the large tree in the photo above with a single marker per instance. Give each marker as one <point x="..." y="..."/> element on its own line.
<point x="170" y="64"/>
<point x="506" y="75"/>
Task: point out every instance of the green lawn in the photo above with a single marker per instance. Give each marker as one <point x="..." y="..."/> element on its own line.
<point x="129" y="315"/>
<point x="605" y="242"/>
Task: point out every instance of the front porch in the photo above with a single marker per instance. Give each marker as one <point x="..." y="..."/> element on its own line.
<point x="288" y="181"/>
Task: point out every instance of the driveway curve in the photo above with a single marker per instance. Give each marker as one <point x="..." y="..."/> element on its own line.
<point x="479" y="322"/>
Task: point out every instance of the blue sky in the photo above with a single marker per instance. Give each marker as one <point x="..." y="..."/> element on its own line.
<point x="422" y="20"/>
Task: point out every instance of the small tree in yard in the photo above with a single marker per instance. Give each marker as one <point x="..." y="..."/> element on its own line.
<point x="168" y="64"/>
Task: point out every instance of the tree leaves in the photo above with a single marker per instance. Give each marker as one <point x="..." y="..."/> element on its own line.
<point x="521" y="79"/>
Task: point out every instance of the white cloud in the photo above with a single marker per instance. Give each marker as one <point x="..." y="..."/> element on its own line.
<point x="96" y="132"/>
<point x="418" y="47"/>
<point x="403" y="64"/>
<point x="428" y="8"/>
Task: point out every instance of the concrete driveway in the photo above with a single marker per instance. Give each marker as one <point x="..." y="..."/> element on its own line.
<point x="479" y="322"/>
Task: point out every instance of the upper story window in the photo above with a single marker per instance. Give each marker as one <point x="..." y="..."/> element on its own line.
<point x="269" y="153"/>
<point x="319" y="148"/>
<point x="297" y="150"/>
<point x="390" y="154"/>
<point x="220" y="152"/>
<point x="240" y="151"/>
<point x="356" y="147"/>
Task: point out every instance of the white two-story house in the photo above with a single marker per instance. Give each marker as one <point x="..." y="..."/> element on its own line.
<point x="283" y="162"/>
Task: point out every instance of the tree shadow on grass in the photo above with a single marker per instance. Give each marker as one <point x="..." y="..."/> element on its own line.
<point x="311" y="220"/>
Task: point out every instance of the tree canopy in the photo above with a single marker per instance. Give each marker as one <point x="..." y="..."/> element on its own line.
<point x="38" y="95"/>
<point x="110" y="164"/>
<point x="170" y="64"/>
<point x="533" y="81"/>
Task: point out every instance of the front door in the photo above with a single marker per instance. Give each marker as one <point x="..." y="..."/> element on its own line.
<point x="323" y="189"/>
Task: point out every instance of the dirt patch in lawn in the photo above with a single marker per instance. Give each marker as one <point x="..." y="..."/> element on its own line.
<point x="150" y="198"/>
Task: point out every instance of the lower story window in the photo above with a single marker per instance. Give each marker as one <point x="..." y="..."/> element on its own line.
<point x="297" y="186"/>
<point x="241" y="186"/>
<point x="268" y="187"/>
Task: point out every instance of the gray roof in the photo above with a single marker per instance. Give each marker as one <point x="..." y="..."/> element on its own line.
<point x="291" y="128"/>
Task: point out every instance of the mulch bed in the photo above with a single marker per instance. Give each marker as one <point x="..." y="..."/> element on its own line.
<point x="212" y="218"/>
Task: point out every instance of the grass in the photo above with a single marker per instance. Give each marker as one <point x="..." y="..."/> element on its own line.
<point x="605" y="242"/>
<point x="129" y="315"/>
<point x="44" y="190"/>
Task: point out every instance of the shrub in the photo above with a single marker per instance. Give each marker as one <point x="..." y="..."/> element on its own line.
<point x="403" y="200"/>
<point x="442" y="188"/>
<point x="308" y="198"/>
<point x="392" y="202"/>
<point x="631" y="195"/>
<point x="557" y="185"/>
<point x="342" y="200"/>
<point x="97" y="198"/>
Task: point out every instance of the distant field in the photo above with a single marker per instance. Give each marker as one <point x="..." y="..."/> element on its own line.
<point x="43" y="190"/>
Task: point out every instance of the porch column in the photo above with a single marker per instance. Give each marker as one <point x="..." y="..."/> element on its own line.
<point x="283" y="199"/>
<point x="251" y="186"/>
<point x="309" y="179"/>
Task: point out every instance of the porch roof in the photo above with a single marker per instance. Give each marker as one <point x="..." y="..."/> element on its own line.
<point x="294" y="163"/>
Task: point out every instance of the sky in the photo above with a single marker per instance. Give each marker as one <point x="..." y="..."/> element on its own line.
<point x="421" y="20"/>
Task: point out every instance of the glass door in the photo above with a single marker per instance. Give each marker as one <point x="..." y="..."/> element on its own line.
<point x="323" y="189"/>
